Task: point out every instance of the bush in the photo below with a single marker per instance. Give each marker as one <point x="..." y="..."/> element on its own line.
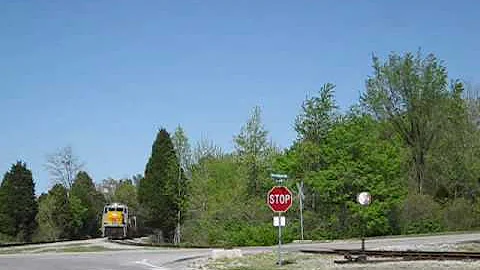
<point x="237" y="233"/>
<point x="459" y="215"/>
<point x="4" y="239"/>
<point x="420" y="214"/>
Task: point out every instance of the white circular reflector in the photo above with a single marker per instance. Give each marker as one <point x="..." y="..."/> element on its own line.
<point x="364" y="198"/>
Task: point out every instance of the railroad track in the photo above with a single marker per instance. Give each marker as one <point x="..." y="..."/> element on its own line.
<point x="131" y="242"/>
<point x="357" y="255"/>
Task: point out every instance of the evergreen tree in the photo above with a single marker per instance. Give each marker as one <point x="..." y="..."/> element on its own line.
<point x="84" y="190"/>
<point x="160" y="194"/>
<point x="18" y="206"/>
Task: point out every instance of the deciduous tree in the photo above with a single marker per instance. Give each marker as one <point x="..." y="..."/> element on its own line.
<point x="410" y="91"/>
<point x="318" y="115"/>
<point x="54" y="215"/>
<point x="63" y="166"/>
<point x="252" y="147"/>
<point x="84" y="190"/>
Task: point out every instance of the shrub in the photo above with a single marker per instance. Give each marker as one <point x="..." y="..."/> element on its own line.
<point x="420" y="214"/>
<point x="459" y="215"/>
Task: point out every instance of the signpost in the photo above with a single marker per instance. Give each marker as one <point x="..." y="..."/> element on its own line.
<point x="364" y="199"/>
<point x="279" y="199"/>
<point x="301" y="197"/>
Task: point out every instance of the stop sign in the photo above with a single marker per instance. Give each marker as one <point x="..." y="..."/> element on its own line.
<point x="279" y="199"/>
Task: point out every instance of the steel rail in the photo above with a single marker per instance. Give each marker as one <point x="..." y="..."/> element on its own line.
<point x="405" y="254"/>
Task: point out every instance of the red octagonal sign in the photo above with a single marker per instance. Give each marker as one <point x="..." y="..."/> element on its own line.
<point x="279" y="199"/>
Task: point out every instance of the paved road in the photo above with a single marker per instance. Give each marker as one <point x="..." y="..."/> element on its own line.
<point x="163" y="259"/>
<point x="170" y="259"/>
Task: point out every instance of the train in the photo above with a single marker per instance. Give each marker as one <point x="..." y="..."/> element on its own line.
<point x="118" y="222"/>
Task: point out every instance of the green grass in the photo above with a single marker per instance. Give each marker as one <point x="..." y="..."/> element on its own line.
<point x="67" y="248"/>
<point x="16" y="250"/>
<point x="76" y="249"/>
<point x="267" y="261"/>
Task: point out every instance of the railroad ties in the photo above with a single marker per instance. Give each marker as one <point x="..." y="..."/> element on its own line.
<point x="360" y="256"/>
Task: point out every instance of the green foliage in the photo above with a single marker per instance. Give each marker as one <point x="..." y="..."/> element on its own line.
<point x="90" y="199"/>
<point x="454" y="160"/>
<point x="420" y="214"/>
<point x="460" y="214"/>
<point x="184" y="158"/>
<point x="79" y="213"/>
<point x="18" y="206"/>
<point x="54" y="216"/>
<point x="126" y="193"/>
<point x="182" y="148"/>
<point x="162" y="192"/>
<point x="318" y="115"/>
<point x="6" y="239"/>
<point x="221" y="211"/>
<point x="410" y="92"/>
<point x="253" y="149"/>
<point x="356" y="155"/>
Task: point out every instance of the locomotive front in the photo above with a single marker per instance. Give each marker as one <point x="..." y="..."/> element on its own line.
<point x="115" y="221"/>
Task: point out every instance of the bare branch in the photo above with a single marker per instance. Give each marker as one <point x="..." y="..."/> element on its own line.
<point x="63" y="166"/>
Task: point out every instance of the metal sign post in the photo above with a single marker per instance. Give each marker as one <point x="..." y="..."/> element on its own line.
<point x="279" y="199"/>
<point x="301" y="197"/>
<point x="364" y="199"/>
<point x="279" y="238"/>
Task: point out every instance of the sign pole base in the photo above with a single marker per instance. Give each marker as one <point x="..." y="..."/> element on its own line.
<point x="279" y="239"/>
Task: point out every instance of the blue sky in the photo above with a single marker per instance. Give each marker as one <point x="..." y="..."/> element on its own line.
<point x="103" y="76"/>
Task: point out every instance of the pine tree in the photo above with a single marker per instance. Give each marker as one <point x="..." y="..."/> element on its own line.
<point x="160" y="194"/>
<point x="18" y="206"/>
<point x="84" y="190"/>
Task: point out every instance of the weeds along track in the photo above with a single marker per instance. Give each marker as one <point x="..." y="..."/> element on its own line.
<point x="408" y="255"/>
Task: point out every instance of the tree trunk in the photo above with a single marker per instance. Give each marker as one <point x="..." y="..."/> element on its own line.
<point x="419" y="159"/>
<point x="177" y="236"/>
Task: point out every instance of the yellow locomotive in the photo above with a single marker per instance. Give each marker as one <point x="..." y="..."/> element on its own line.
<point x="117" y="222"/>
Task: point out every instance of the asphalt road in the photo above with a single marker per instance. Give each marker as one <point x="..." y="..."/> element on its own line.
<point x="171" y="259"/>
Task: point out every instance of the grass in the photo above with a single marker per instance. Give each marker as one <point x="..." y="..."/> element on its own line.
<point x="266" y="261"/>
<point x="469" y="247"/>
<point x="76" y="249"/>
<point x="299" y="261"/>
<point x="66" y="248"/>
<point x="16" y="250"/>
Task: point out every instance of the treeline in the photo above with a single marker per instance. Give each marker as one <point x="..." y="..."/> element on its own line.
<point x="62" y="213"/>
<point x="412" y="141"/>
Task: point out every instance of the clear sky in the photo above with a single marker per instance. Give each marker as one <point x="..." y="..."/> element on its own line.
<point x="103" y="76"/>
